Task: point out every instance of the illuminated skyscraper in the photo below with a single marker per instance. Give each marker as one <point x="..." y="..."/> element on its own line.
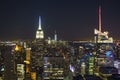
<point x="55" y="36"/>
<point x="39" y="32"/>
<point x="101" y="37"/>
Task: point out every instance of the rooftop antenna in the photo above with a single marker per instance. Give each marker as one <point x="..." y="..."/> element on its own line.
<point x="39" y="23"/>
<point x="100" y="19"/>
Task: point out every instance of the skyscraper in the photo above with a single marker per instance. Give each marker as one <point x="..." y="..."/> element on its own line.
<point x="39" y="32"/>
<point x="101" y="37"/>
<point x="55" y="36"/>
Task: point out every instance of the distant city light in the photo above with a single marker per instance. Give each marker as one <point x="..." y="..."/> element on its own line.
<point x="2" y="69"/>
<point x="72" y="68"/>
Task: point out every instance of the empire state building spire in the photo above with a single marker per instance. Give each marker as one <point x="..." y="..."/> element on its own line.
<point x="39" y="32"/>
<point x="39" y="23"/>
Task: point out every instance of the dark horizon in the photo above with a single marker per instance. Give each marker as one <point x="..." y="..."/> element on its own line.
<point x="72" y="20"/>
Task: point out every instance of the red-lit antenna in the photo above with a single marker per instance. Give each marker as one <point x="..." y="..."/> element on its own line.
<point x="100" y="19"/>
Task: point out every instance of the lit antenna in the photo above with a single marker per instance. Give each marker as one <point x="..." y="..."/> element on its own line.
<point x="39" y="23"/>
<point x="100" y="19"/>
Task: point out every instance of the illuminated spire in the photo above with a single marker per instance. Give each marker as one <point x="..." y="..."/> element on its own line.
<point x="55" y="36"/>
<point x="39" y="23"/>
<point x="100" y="19"/>
<point x="39" y="32"/>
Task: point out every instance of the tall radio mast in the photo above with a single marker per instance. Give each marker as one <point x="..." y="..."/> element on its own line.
<point x="100" y="26"/>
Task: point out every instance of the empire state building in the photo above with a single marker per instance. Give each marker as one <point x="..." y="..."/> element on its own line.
<point x="39" y="32"/>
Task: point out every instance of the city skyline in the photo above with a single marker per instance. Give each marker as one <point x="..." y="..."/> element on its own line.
<point x="72" y="20"/>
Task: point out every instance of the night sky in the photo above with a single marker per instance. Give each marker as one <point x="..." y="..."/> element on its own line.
<point x="72" y="19"/>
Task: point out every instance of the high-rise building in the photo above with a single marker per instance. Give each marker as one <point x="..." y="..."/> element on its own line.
<point x="55" y="36"/>
<point x="53" y="68"/>
<point x="101" y="37"/>
<point x="39" y="32"/>
<point x="9" y="63"/>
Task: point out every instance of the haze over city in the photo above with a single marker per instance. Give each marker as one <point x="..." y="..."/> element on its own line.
<point x="72" y="20"/>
